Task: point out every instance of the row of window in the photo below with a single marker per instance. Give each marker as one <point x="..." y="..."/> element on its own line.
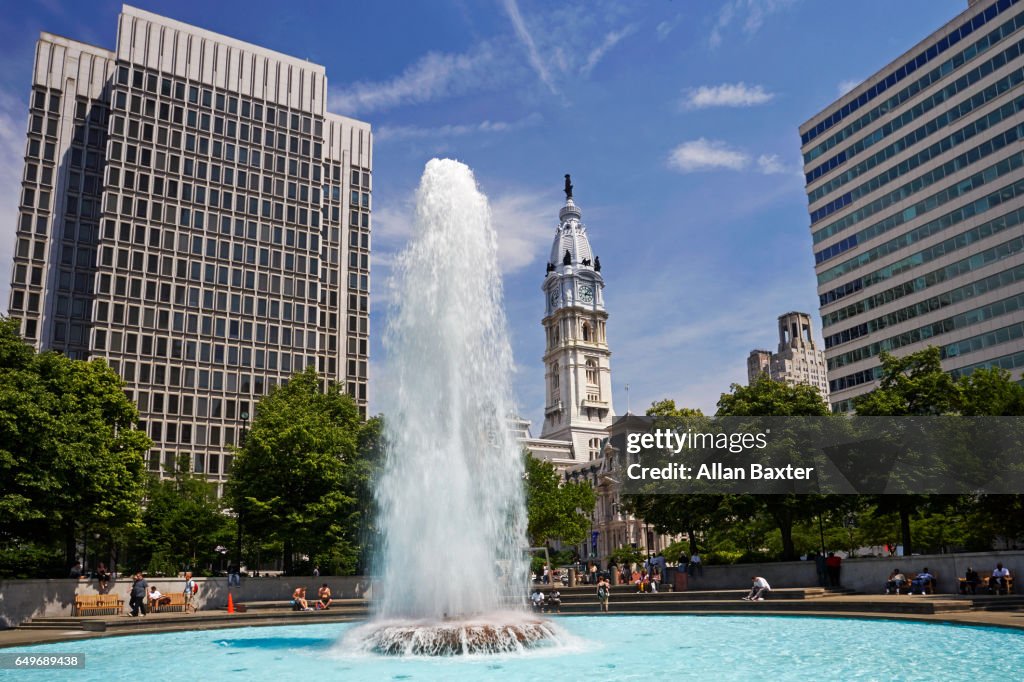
<point x="976" y="181"/>
<point x="977" y="49"/>
<point x="958" y="163"/>
<point x="203" y="95"/>
<point x="1005" y="306"/>
<point x="933" y="278"/>
<point x="1004" y="113"/>
<point x="1013" y="332"/>
<point x="936" y="226"/>
<point x="929" y="305"/>
<point x="964" y="82"/>
<point x="224" y="176"/>
<point x="137" y="372"/>
<point x="960" y="241"/>
<point x="926" y="55"/>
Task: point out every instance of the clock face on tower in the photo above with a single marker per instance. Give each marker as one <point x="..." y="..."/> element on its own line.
<point x="586" y="293"/>
<point x="554" y="297"/>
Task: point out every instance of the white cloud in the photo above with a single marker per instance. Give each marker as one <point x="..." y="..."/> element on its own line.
<point x="665" y="28"/>
<point x="525" y="224"/>
<point x="397" y="133"/>
<point x="770" y="164"/>
<point x="705" y="155"/>
<point x="433" y="77"/>
<point x="12" y="156"/>
<point x="610" y="41"/>
<point x="751" y="14"/>
<point x="512" y="9"/>
<point x="847" y="85"/>
<point x="726" y="95"/>
<point x="702" y="154"/>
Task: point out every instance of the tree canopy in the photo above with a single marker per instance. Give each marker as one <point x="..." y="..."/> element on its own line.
<point x="556" y="510"/>
<point x="71" y="460"/>
<point x="300" y="478"/>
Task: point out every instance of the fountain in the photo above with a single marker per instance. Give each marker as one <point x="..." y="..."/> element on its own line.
<point x="452" y="573"/>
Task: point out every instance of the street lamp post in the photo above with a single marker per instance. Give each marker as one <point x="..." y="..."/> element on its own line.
<point x="238" y="513"/>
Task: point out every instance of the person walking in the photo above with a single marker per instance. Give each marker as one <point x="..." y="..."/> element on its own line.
<point x="832" y="565"/>
<point x="191" y="587"/>
<point x="604" y="590"/>
<point x="137" y="600"/>
<point x="103" y="578"/>
<point x="821" y="568"/>
<point x="234" y="576"/>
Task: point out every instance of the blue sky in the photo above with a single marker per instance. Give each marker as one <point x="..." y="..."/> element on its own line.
<point x="677" y="119"/>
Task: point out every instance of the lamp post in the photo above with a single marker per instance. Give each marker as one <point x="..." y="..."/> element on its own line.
<point x="238" y="513"/>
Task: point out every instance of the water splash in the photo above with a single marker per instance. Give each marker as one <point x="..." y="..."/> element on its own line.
<point x="450" y="497"/>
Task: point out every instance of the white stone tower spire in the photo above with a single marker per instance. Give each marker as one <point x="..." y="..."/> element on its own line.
<point x="578" y="405"/>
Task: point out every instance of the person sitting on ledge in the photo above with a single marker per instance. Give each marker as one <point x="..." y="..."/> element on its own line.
<point x="970" y="582"/>
<point x="757" y="588"/>
<point x="299" y="602"/>
<point x="923" y="582"/>
<point x="325" y="597"/>
<point x="554" y="601"/>
<point x="895" y="581"/>
<point x="537" y="599"/>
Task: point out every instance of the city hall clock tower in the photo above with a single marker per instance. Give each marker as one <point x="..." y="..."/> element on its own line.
<point x="578" y="380"/>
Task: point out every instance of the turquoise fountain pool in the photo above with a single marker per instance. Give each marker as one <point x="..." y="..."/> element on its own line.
<point x="593" y="648"/>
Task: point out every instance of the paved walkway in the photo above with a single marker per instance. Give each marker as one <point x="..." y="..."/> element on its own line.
<point x="215" y="619"/>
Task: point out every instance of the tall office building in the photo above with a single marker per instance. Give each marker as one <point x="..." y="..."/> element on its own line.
<point x="798" y="359"/>
<point x="915" y="186"/>
<point x="192" y="214"/>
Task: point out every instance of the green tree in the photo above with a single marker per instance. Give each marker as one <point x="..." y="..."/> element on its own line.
<point x="184" y="522"/>
<point x="768" y="398"/>
<point x="911" y="385"/>
<point x="989" y="392"/>
<point x="300" y="478"/>
<point x="556" y="510"/>
<point x="71" y="460"/>
<point x="916" y="385"/>
<point x="677" y="514"/>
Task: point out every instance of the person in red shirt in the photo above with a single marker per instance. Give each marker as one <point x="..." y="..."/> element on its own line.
<point x="832" y="564"/>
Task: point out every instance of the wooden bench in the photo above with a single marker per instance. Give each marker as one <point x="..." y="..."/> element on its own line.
<point x="907" y="587"/>
<point x="89" y="603"/>
<point x="177" y="603"/>
<point x="984" y="585"/>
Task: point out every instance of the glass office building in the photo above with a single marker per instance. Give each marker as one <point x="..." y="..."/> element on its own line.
<point x="915" y="187"/>
<point x="192" y="214"/>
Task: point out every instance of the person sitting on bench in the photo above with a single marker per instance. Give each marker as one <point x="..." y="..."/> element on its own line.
<point x="971" y="581"/>
<point x="923" y="582"/>
<point x="1000" y="580"/>
<point x="895" y="582"/>
<point x="157" y="599"/>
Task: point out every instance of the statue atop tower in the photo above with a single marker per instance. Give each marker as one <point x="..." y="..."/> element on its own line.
<point x="568" y="187"/>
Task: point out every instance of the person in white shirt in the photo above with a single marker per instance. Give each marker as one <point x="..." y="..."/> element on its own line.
<point x="757" y="589"/>
<point x="1000" y="580"/>
<point x="157" y="599"/>
<point x="538" y="600"/>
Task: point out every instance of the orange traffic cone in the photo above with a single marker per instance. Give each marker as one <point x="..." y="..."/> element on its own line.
<point x="231" y="604"/>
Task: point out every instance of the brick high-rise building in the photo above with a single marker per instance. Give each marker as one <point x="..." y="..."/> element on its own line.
<point x="191" y="213"/>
